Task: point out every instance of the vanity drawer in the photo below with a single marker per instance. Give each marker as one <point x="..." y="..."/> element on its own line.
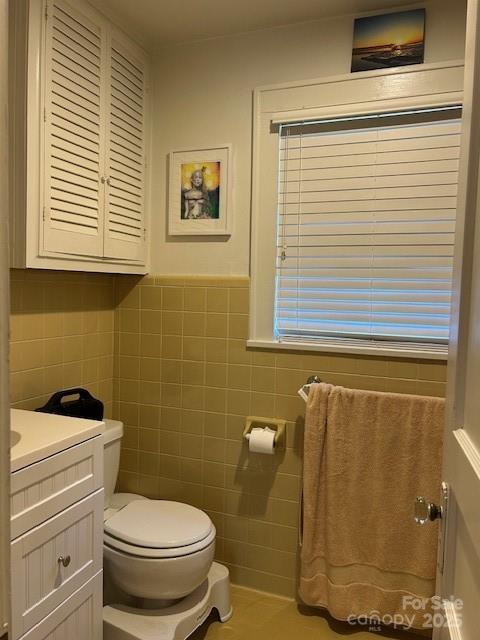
<point x="79" y="618"/>
<point x="40" y="582"/>
<point x="43" y="489"/>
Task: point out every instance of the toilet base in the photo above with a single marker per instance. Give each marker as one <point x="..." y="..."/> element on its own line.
<point x="175" y="622"/>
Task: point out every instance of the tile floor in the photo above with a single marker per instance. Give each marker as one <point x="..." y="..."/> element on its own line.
<point x="261" y="616"/>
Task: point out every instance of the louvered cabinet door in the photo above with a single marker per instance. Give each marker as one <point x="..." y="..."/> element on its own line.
<point x="74" y="141"/>
<point x="126" y="140"/>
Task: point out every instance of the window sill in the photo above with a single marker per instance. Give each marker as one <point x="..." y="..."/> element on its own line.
<point x="409" y="351"/>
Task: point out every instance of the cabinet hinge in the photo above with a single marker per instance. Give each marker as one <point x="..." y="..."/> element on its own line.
<point x="46" y="11"/>
<point x="44" y="115"/>
<point x="43" y="214"/>
<point x="144" y="234"/>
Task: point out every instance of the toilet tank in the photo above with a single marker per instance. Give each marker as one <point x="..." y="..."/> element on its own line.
<point x="112" y="437"/>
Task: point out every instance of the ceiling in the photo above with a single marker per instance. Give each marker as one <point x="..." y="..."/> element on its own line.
<point x="158" y="23"/>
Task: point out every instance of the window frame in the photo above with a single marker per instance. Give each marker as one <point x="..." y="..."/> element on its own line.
<point x="404" y="88"/>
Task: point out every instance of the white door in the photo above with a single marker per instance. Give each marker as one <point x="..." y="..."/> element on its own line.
<point x="126" y="150"/>
<point x="458" y="582"/>
<point x="74" y="131"/>
<point x="4" y="307"/>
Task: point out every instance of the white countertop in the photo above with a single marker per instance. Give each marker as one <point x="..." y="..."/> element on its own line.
<point x="44" y="434"/>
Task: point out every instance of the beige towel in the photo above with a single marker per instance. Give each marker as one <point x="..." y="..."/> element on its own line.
<point x="367" y="455"/>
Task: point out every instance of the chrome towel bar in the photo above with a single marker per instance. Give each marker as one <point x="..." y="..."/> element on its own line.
<point x="303" y="391"/>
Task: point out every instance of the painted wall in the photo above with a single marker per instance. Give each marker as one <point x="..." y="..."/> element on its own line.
<point x="203" y="96"/>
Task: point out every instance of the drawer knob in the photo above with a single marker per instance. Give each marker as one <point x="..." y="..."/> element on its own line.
<point x="64" y="561"/>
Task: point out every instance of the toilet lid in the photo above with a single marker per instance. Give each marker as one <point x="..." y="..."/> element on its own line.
<point x="159" y="524"/>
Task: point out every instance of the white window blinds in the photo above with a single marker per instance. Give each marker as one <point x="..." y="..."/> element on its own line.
<point x="366" y="222"/>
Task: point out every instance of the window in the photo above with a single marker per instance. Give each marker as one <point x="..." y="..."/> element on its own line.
<point x="365" y="229"/>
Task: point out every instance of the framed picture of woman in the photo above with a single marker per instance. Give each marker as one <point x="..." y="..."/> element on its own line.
<point x="199" y="200"/>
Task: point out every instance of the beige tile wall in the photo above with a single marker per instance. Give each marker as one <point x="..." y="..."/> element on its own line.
<point x="184" y="383"/>
<point x="61" y="335"/>
<point x="171" y="353"/>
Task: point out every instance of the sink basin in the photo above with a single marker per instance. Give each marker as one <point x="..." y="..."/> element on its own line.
<point x="15" y="437"/>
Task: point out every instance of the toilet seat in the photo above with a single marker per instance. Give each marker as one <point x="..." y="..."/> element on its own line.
<point x="158" y="529"/>
<point x="148" y="552"/>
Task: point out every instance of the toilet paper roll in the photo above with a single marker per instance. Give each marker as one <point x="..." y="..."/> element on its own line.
<point x="261" y="440"/>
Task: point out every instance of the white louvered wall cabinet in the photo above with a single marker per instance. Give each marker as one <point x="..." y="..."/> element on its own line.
<point x="80" y="174"/>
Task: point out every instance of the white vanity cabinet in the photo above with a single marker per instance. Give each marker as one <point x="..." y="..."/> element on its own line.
<point x="56" y="529"/>
<point x="80" y="158"/>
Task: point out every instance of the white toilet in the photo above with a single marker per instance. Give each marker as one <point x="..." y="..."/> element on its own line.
<point x="159" y="551"/>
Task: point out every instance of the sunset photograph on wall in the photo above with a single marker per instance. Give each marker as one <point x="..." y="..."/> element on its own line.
<point x="388" y="40"/>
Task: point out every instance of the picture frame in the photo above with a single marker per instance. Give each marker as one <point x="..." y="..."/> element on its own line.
<point x="387" y="40"/>
<point x="200" y="191"/>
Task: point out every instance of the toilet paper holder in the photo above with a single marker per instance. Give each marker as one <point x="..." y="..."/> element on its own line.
<point x="276" y="424"/>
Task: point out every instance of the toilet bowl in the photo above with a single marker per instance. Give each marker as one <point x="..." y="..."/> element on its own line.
<point x="158" y="549"/>
<point x="154" y="549"/>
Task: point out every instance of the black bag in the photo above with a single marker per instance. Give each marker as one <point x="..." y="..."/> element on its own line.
<point x="85" y="406"/>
